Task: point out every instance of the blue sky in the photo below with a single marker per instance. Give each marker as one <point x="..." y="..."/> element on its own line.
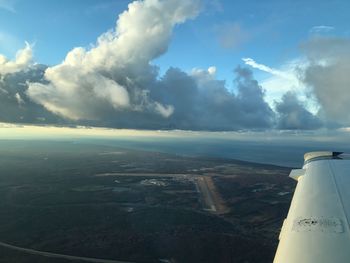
<point x="58" y="26"/>
<point x="296" y="50"/>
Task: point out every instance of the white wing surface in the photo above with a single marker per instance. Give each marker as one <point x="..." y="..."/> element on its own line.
<point x="316" y="229"/>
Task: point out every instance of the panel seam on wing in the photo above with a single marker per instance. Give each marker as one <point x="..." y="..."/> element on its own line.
<point x="330" y="166"/>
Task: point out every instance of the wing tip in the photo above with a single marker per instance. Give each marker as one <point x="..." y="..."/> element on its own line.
<point x="309" y="156"/>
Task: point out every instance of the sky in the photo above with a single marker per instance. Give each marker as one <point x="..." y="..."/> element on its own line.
<point x="214" y="65"/>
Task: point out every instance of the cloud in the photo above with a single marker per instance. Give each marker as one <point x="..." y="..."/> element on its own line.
<point x="114" y="83"/>
<point x="328" y="76"/>
<point x="321" y="29"/>
<point x="19" y="99"/>
<point x="22" y="60"/>
<point x="320" y="79"/>
<point x="202" y="102"/>
<point x="15" y="106"/>
<point x="255" y="110"/>
<point x="115" y="75"/>
<point x="251" y="62"/>
<point x="293" y="115"/>
<point x="284" y="79"/>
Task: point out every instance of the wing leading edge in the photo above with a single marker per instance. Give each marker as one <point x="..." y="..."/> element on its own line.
<point x="316" y="229"/>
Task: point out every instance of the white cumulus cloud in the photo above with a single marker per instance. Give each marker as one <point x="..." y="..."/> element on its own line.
<point x="22" y="60"/>
<point x="115" y="75"/>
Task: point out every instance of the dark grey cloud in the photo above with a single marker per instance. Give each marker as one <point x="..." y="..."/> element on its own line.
<point x="254" y="109"/>
<point x="328" y="76"/>
<point x="199" y="102"/>
<point x="292" y="114"/>
<point x="15" y="106"/>
<point x="202" y="102"/>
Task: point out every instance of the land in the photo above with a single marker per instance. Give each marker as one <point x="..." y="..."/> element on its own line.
<point x="63" y="201"/>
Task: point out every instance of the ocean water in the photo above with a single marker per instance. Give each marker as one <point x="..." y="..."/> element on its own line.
<point x="282" y="153"/>
<point x="283" y="148"/>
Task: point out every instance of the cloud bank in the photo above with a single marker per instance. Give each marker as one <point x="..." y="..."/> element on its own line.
<point x="114" y="83"/>
<point x="328" y="76"/>
<point x="293" y="115"/>
<point x="322" y="77"/>
<point x="202" y="102"/>
<point x="15" y="105"/>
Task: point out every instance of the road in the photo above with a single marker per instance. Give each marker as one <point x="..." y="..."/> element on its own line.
<point x="55" y="255"/>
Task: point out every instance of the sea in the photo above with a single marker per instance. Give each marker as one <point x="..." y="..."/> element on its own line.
<point x="287" y="153"/>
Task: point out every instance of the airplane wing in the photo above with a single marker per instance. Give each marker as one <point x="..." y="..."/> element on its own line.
<point x="316" y="229"/>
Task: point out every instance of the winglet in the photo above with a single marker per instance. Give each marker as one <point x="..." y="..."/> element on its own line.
<point x="296" y="173"/>
<point x="328" y="154"/>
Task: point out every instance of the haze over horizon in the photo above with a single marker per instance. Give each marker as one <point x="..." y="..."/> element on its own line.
<point x="176" y="64"/>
